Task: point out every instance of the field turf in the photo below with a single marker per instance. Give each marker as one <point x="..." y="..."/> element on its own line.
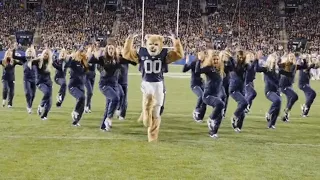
<point x="53" y="149"/>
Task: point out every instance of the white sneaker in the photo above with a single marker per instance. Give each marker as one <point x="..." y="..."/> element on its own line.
<point x="117" y="113"/>
<point x="58" y="98"/>
<point x="74" y="115"/>
<point x="214" y="136"/>
<point x="9" y="106"/>
<point x="40" y="109"/>
<point x="107" y="124"/>
<point x="29" y="110"/>
<point x="76" y="125"/>
<point x="121" y="118"/>
<point x="237" y="130"/>
<point x="209" y="121"/>
<point x="272" y="127"/>
<point x="87" y="110"/>
<point x="44" y="118"/>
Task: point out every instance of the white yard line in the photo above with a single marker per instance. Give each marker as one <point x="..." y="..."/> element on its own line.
<point x="133" y="139"/>
<point x="138" y="113"/>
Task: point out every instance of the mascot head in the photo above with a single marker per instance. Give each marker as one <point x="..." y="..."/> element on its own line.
<point x="154" y="44"/>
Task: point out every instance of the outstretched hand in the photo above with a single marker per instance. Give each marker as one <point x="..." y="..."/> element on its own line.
<point x="134" y="34"/>
<point x="172" y="36"/>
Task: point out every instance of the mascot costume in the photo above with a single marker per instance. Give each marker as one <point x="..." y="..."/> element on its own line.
<point x="152" y="59"/>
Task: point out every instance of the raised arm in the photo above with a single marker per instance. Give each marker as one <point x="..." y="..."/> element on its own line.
<point x="128" y="51"/>
<point x="125" y="61"/>
<point x="34" y="62"/>
<point x="23" y="59"/>
<point x="177" y="53"/>
<point x="188" y="65"/>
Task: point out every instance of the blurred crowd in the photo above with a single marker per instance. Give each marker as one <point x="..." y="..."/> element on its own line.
<point x="71" y="23"/>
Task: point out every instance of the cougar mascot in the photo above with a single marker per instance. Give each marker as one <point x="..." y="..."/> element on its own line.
<point x="152" y="59"/>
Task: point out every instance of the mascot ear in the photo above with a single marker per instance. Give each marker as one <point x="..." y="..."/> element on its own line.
<point x="161" y="38"/>
<point x="147" y="37"/>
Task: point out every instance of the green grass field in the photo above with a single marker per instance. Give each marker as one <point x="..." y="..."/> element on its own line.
<point x="53" y="149"/>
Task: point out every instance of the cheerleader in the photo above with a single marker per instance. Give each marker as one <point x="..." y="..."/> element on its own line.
<point x="271" y="78"/>
<point x="29" y="77"/>
<point x="225" y="57"/>
<point x="109" y="63"/>
<point x="8" y="77"/>
<point x="250" y="92"/>
<point x="196" y="87"/>
<point x="43" y="66"/>
<point x="236" y="90"/>
<point x="60" y="76"/>
<point x="78" y="66"/>
<point x="213" y="68"/>
<point x="89" y="84"/>
<point x="123" y="86"/>
<point x="289" y="63"/>
<point x="304" y="83"/>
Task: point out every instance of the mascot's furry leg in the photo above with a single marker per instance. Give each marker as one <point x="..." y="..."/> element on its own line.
<point x="151" y="118"/>
<point x="148" y="118"/>
<point x="147" y="110"/>
<point x="153" y="131"/>
<point x="151" y="106"/>
<point x="140" y="119"/>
